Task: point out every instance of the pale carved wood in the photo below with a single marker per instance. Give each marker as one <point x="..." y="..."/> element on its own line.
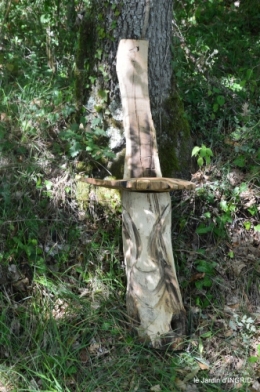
<point x="143" y="184"/>
<point x="153" y="298"/>
<point x="154" y="301"/>
<point x="141" y="159"/>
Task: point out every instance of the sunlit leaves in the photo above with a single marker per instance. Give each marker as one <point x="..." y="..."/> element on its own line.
<point x="203" y="155"/>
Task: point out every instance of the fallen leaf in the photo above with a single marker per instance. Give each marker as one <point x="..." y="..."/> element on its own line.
<point x="83" y="355"/>
<point x="228" y="333"/>
<point x="255" y="386"/>
<point x="2" y="388"/>
<point x="203" y="364"/>
<point x="156" y="388"/>
<point x="180" y="384"/>
<point x="239" y="364"/>
<point x="198" y="276"/>
<point x="233" y="325"/>
<point x="192" y="374"/>
<point x="237" y="267"/>
<point x="191" y="388"/>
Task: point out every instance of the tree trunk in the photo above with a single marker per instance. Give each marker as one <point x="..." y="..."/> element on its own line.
<point x="154" y="301"/>
<point x="116" y="20"/>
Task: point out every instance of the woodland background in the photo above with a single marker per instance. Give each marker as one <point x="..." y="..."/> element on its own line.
<point x="63" y="325"/>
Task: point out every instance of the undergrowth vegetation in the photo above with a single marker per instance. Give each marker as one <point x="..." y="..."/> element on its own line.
<point x="63" y="325"/>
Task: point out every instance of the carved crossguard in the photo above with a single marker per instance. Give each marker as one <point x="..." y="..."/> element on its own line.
<point x="153" y="297"/>
<point x="144" y="184"/>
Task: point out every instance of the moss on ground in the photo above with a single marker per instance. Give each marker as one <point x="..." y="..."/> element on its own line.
<point x="109" y="199"/>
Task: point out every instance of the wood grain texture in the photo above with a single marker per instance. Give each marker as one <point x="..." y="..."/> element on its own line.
<point x="153" y="299"/>
<point x="144" y="184"/>
<point x="141" y="158"/>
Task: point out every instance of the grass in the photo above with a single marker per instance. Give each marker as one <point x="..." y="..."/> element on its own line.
<point x="62" y="340"/>
<point x="63" y="322"/>
<point x="68" y="329"/>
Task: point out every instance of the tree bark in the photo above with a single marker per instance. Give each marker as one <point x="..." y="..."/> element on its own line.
<point x="116" y="20"/>
<point x="130" y="25"/>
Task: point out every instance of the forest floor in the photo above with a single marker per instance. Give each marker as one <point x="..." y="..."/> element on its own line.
<point x="63" y="322"/>
<point x="63" y="319"/>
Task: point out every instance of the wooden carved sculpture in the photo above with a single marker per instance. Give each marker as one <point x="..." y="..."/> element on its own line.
<point x="153" y="299"/>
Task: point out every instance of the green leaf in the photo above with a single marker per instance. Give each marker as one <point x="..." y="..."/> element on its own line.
<point x="206" y="334"/>
<point x="74" y="127"/>
<point x="203" y="151"/>
<point x="205" y="282"/>
<point x="103" y="94"/>
<point x="252" y="210"/>
<point x="247" y="225"/>
<point x="223" y="205"/>
<point x="252" y="359"/>
<point x="220" y="100"/>
<point x="204" y="266"/>
<point x="75" y="149"/>
<point x="257" y="228"/>
<point x="200" y="161"/>
<point x="249" y="73"/>
<point x="71" y="370"/>
<point x="195" y="151"/>
<point x="99" y="132"/>
<point x="209" y="152"/>
<point x="215" y="107"/>
<point x="243" y="187"/>
<point x="202" y="229"/>
<point x="240" y="161"/>
<point x="207" y="159"/>
<point x="45" y="18"/>
<point x="48" y="184"/>
<point x="96" y="121"/>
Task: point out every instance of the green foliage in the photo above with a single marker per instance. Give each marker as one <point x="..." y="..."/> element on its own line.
<point x="39" y="103"/>
<point x="208" y="269"/>
<point x="93" y="140"/>
<point x="203" y="154"/>
<point x="68" y="330"/>
<point x="217" y="75"/>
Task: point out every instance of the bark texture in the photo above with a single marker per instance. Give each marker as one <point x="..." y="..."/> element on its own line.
<point x="116" y="20"/>
<point x="130" y="25"/>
